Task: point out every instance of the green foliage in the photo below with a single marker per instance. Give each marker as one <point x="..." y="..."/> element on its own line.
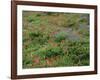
<point x="30" y="19"/>
<point x="84" y="32"/>
<point x="60" y="36"/>
<point x="34" y="19"/>
<point x="27" y="60"/>
<point x="48" y="51"/>
<point x="37" y="21"/>
<point x="49" y="13"/>
<point x="34" y="34"/>
<point x="38" y="15"/>
<point x="24" y="39"/>
<point x="79" y="51"/>
<point x="54" y="51"/>
<point x="84" y="19"/>
<point x="38" y="37"/>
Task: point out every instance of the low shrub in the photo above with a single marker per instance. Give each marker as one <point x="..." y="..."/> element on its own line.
<point x="60" y="36"/>
<point x="30" y="19"/>
<point x="55" y="51"/>
<point x="48" y="51"/>
<point x="34" y="34"/>
<point x="83" y="32"/>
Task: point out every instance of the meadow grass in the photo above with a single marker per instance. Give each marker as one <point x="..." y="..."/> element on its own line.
<point x="55" y="39"/>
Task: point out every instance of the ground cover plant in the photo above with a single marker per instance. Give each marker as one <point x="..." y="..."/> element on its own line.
<point x="52" y="39"/>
